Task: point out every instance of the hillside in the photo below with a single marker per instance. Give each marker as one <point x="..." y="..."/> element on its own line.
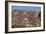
<point x="25" y="19"/>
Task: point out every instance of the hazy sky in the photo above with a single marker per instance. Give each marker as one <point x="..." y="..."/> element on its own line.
<point x="37" y="9"/>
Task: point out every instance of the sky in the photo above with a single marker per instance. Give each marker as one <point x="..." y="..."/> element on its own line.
<point x="32" y="8"/>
